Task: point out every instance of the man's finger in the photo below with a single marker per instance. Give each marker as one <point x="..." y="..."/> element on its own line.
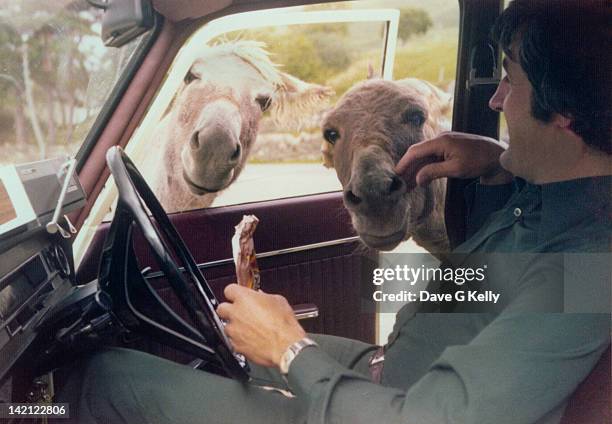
<point x="419" y="155"/>
<point x="231" y="291"/>
<point x="229" y="330"/>
<point x="435" y="170"/>
<point x="224" y="310"/>
<point x="410" y="175"/>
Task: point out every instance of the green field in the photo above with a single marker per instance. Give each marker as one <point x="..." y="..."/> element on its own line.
<point x="432" y="57"/>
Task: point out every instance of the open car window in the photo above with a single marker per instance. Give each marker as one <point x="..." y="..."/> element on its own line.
<point x="55" y="77"/>
<point x="327" y="48"/>
<point x="333" y="45"/>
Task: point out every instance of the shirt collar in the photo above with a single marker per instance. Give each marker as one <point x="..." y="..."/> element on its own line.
<point x="565" y="204"/>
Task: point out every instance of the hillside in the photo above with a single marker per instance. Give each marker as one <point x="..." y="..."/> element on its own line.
<point x="443" y="13"/>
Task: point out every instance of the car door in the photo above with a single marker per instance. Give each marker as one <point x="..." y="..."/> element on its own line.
<point x="307" y="250"/>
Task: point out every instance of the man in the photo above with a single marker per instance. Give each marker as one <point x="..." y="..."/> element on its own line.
<point x="548" y="193"/>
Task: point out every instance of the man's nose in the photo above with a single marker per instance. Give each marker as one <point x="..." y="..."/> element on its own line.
<point x="496" y="102"/>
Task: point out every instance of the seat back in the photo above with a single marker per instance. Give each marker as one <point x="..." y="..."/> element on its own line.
<point x="590" y="403"/>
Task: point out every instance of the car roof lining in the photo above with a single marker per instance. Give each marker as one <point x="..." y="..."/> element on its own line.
<point x="178" y="10"/>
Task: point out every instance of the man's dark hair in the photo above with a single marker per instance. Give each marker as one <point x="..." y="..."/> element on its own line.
<point x="564" y="47"/>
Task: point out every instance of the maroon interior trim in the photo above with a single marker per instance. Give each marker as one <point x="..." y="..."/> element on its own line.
<point x="336" y="284"/>
<point x="283" y="223"/>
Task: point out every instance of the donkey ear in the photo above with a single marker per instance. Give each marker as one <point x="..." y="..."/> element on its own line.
<point x="371" y="74"/>
<point x="444" y="104"/>
<point x="294" y="86"/>
<point x="296" y="101"/>
<point x="446" y="98"/>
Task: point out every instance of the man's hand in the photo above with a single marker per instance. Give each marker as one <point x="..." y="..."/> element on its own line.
<point x="453" y="154"/>
<point x="261" y="326"/>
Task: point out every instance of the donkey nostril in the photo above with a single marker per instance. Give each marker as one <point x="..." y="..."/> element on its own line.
<point x="236" y="153"/>
<point x="396" y="184"/>
<point x="194" y="142"/>
<point x="351" y="198"/>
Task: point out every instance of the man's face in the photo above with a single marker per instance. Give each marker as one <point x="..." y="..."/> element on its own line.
<point x="529" y="149"/>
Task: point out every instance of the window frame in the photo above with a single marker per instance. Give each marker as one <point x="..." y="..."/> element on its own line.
<point x="117" y="92"/>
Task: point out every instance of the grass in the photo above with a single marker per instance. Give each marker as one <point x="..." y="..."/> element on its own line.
<point x="429" y="57"/>
<point x="424" y="57"/>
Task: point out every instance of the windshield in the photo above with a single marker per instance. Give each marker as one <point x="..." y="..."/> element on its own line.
<point x="55" y="76"/>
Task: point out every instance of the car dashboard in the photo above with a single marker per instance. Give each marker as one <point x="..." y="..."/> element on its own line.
<point x="36" y="263"/>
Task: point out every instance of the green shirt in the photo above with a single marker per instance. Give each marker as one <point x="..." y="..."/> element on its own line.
<point x="515" y="361"/>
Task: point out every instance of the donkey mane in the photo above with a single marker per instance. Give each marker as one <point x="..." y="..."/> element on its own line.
<point x="252" y="52"/>
<point x="293" y="102"/>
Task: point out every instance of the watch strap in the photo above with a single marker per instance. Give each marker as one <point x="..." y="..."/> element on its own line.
<point x="292" y="351"/>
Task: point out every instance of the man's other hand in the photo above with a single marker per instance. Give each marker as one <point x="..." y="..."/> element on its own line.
<point x="453" y="154"/>
<point x="261" y="326"/>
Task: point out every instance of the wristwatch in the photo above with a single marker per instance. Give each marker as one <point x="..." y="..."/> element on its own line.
<point x="292" y="351"/>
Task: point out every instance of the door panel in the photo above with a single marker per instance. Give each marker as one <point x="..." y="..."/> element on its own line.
<point x="297" y="258"/>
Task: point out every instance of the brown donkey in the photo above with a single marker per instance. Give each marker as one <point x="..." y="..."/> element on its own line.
<point x="366" y="134"/>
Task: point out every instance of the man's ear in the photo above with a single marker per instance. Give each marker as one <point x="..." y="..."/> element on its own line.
<point x="563" y="122"/>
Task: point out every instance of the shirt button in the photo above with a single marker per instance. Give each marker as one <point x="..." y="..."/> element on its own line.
<point x="517" y="212"/>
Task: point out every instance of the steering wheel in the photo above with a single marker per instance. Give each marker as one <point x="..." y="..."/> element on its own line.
<point x="136" y="304"/>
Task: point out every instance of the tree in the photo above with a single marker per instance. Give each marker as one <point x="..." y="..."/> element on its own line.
<point x="43" y="71"/>
<point x="413" y="21"/>
<point x="12" y="89"/>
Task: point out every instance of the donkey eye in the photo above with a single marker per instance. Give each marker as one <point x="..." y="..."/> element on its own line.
<point x="330" y="135"/>
<point x="189" y="77"/>
<point x="264" y="102"/>
<point x="415" y="118"/>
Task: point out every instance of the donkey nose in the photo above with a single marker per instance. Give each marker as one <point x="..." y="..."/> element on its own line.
<point x="351" y="198"/>
<point x="397" y="184"/>
<point x="218" y="143"/>
<point x="194" y="142"/>
<point x="236" y="155"/>
<point x="373" y="190"/>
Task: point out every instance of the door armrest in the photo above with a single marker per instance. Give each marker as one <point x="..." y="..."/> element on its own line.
<point x="305" y="311"/>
